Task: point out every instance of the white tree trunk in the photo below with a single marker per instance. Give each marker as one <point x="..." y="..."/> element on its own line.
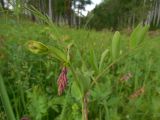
<point x="158" y="17"/>
<point x="50" y="9"/>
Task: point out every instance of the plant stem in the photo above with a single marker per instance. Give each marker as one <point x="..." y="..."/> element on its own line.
<point x="64" y="109"/>
<point x="5" y="100"/>
<point x="84" y="98"/>
<point x="84" y="108"/>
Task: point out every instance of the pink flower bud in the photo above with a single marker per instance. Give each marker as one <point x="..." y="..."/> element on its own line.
<point x="62" y="81"/>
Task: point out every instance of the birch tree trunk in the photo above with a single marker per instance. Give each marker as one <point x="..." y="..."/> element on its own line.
<point x="50" y="9"/>
<point x="158" y="17"/>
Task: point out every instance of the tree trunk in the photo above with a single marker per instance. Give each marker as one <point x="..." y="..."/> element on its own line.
<point x="133" y="24"/>
<point x="2" y="3"/>
<point x="68" y="4"/>
<point x="158" y="17"/>
<point x="50" y="9"/>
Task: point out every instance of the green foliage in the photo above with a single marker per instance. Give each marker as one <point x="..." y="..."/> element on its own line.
<point x="37" y="104"/>
<point x="31" y="80"/>
<point x="5" y="99"/>
<point x="103" y="55"/>
<point x="39" y="48"/>
<point x="59" y="54"/>
<point x="118" y="14"/>
<point x="116" y="46"/>
<point x="138" y="35"/>
<point x="75" y="91"/>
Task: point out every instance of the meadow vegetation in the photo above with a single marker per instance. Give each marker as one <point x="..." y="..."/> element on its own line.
<point x="111" y="75"/>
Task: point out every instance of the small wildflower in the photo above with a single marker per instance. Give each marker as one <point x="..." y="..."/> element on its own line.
<point x="62" y="81"/>
<point x="137" y="93"/>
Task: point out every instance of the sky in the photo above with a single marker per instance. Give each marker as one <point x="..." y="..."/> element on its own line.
<point x="91" y="7"/>
<point x="87" y="8"/>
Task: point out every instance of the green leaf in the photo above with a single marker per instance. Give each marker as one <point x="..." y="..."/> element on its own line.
<point x="5" y="99"/>
<point x="103" y="55"/>
<point x="57" y="53"/>
<point x="116" y="46"/>
<point x="138" y="35"/>
<point x="93" y="60"/>
<point x="37" y="103"/>
<point x="84" y="80"/>
<point x="100" y="88"/>
<point x="75" y="91"/>
<point x="55" y="102"/>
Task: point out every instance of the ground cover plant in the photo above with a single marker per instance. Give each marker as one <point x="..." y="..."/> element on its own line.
<point x="77" y="74"/>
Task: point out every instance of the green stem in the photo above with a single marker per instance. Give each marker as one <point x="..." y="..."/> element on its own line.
<point x="83" y="116"/>
<point x="84" y="98"/>
<point x="5" y="100"/>
<point x="64" y="109"/>
<point x="84" y="108"/>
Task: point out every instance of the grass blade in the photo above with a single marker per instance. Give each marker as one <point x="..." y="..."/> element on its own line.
<point x="5" y="100"/>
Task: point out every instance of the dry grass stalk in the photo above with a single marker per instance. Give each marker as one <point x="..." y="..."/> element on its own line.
<point x="137" y="93"/>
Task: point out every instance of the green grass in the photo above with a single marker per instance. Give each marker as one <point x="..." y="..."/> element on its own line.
<point x="31" y="80"/>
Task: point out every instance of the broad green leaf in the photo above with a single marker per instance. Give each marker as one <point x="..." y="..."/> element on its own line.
<point x="84" y="79"/>
<point x="57" y="53"/>
<point x="75" y="91"/>
<point x="103" y="55"/>
<point x="93" y="60"/>
<point x="116" y="46"/>
<point x="138" y="35"/>
<point x="142" y="34"/>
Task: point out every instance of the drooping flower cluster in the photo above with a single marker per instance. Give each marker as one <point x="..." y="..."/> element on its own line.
<point x="25" y="118"/>
<point x="62" y="81"/>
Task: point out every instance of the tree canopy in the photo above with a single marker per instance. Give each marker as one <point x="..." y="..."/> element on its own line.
<point x="119" y="13"/>
<point x="111" y="14"/>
